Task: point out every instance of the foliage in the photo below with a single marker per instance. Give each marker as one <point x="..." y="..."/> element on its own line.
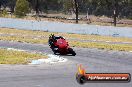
<point x="96" y="7"/>
<point x="22" y="8"/>
<point x="4" y="13"/>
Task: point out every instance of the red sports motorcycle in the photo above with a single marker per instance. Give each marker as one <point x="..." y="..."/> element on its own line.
<point x="60" y="46"/>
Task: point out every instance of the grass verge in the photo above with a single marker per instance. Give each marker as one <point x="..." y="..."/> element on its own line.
<point x="118" y="47"/>
<point x="41" y="37"/>
<point x="17" y="57"/>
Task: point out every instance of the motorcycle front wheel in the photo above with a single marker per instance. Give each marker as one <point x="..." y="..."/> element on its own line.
<point x="71" y="51"/>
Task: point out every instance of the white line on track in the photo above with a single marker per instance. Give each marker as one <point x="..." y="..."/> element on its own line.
<point x="50" y="60"/>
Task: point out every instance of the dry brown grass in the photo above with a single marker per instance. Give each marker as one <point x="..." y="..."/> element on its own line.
<point x="17" y="57"/>
<point x="41" y="37"/>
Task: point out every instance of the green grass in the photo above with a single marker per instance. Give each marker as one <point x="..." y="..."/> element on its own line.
<point x="17" y="57"/>
<point x="41" y="37"/>
<point x="118" y="47"/>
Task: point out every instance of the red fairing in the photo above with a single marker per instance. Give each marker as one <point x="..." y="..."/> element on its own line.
<point x="61" y="43"/>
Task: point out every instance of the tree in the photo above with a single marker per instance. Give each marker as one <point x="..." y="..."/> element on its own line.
<point x="94" y="7"/>
<point x="72" y="5"/>
<point x="22" y="8"/>
<point x="68" y="5"/>
<point x="76" y="7"/>
<point x="37" y="7"/>
<point x="3" y="3"/>
<point x="11" y="4"/>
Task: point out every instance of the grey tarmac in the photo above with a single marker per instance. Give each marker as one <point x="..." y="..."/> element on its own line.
<point x="63" y="74"/>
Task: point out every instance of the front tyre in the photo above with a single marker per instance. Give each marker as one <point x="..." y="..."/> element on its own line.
<point x="71" y="51"/>
<point x="54" y="50"/>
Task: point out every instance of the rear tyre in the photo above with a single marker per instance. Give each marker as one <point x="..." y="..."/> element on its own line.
<point x="71" y="51"/>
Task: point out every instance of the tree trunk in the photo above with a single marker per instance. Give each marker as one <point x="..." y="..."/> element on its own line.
<point x="37" y="7"/>
<point x="115" y="11"/>
<point x="76" y="7"/>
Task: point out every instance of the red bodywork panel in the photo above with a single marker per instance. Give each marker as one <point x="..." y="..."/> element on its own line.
<point x="62" y="45"/>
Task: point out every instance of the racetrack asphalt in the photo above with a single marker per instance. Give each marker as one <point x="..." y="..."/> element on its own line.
<point x="63" y="74"/>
